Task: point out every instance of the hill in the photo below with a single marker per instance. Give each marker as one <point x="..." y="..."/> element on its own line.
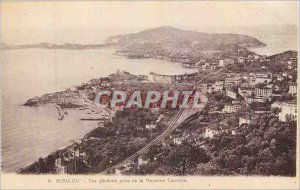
<point x="169" y="37"/>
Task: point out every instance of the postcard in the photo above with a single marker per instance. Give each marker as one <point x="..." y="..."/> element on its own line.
<point x="149" y="95"/>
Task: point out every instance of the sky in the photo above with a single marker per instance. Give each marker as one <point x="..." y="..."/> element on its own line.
<point x="79" y="21"/>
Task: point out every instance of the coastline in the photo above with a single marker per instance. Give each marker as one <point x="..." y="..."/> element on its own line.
<point x="55" y="153"/>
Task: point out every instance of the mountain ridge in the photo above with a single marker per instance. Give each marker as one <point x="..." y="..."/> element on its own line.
<point x="169" y="34"/>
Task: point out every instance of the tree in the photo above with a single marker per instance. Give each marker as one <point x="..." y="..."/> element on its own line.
<point x="50" y="163"/>
<point x="209" y="168"/>
<point x="249" y="164"/>
<point x="186" y="157"/>
<point x="154" y="150"/>
<point x="276" y="110"/>
<point x="233" y="163"/>
<point x="42" y="168"/>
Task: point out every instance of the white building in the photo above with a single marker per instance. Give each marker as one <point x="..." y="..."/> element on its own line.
<point x="225" y="62"/>
<point x="177" y="141"/>
<point x="142" y="160"/>
<point x="249" y="100"/>
<point x="263" y="75"/>
<point x="234" y="131"/>
<point x="160" y="78"/>
<point x="262" y="92"/>
<point x="218" y="86"/>
<point x="279" y="78"/>
<point x="230" y="93"/>
<point x="233" y="81"/>
<point x="212" y="131"/>
<point x="121" y="170"/>
<point x="250" y="78"/>
<point x="231" y="108"/>
<point x="150" y="127"/>
<point x="205" y="66"/>
<point x="293" y="89"/>
<point x="245" y="120"/>
<point x="75" y="152"/>
<point x="276" y="105"/>
<point x="265" y="80"/>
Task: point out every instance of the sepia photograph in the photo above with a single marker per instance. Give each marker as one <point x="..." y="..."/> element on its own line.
<point x="149" y="94"/>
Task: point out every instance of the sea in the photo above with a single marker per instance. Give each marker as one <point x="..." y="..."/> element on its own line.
<point x="32" y="132"/>
<point x="28" y="133"/>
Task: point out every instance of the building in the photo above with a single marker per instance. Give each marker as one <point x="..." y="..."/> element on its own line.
<point x="218" y="86"/>
<point x="245" y="120"/>
<point x="279" y="78"/>
<point x="177" y="141"/>
<point x="232" y="81"/>
<point x="231" y="108"/>
<point x="263" y="91"/>
<point x="293" y="89"/>
<point x="212" y="131"/>
<point x="121" y="170"/>
<point x="225" y="62"/>
<point x="265" y="80"/>
<point x="245" y="91"/>
<point x="150" y="127"/>
<point x="250" y="78"/>
<point x="205" y="66"/>
<point x="263" y="75"/>
<point x="276" y="105"/>
<point x="59" y="167"/>
<point x="75" y="152"/>
<point x="241" y="60"/>
<point x="160" y="78"/>
<point x="230" y="93"/>
<point x="142" y="77"/>
<point x="153" y="77"/>
<point x="235" y="131"/>
<point x="143" y="160"/>
<point x="249" y="100"/>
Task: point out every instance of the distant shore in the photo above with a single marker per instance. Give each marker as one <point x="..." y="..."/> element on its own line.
<point x="45" y="45"/>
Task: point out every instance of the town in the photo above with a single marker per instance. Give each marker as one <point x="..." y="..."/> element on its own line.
<point x="248" y="125"/>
